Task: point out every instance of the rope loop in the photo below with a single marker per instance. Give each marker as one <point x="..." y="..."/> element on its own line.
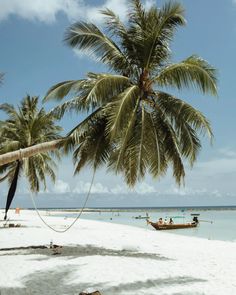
<point x="77" y="217"/>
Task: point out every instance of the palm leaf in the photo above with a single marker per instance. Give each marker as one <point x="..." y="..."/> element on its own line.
<point x="181" y="112"/>
<point x="191" y="72"/>
<point x="90" y="39"/>
<point x="166" y="20"/>
<point x="117" y="159"/>
<point x="60" y="90"/>
<point x="120" y="110"/>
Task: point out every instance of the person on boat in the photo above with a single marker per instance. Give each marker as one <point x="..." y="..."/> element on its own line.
<point x="165" y="221"/>
<point x="195" y="220"/>
<point x="171" y="221"/>
<point x="160" y="221"/>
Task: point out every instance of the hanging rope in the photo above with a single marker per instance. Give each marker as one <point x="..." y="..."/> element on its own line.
<point x="78" y="216"/>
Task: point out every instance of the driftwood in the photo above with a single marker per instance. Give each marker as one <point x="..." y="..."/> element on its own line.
<point x="14" y="225"/>
<point x="93" y="293"/>
<point x="24" y="248"/>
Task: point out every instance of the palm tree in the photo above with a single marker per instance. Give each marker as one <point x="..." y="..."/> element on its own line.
<point x="133" y="125"/>
<point x="26" y="126"/>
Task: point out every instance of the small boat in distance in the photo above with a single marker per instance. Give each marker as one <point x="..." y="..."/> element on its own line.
<point x="141" y="217"/>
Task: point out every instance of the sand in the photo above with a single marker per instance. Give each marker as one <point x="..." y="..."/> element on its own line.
<point x="114" y="259"/>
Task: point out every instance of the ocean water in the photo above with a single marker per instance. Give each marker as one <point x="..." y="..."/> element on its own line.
<point x="214" y="224"/>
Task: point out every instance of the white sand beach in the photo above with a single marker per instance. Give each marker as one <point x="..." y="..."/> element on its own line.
<point x="114" y="259"/>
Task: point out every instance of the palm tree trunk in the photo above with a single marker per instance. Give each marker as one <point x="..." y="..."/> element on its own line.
<point x="12" y="189"/>
<point x="30" y="151"/>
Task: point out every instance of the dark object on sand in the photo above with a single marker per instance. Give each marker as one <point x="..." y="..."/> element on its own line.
<point x="93" y="293"/>
<point x="6" y="225"/>
<point x="12" y="189"/>
<point x="56" y="249"/>
<point x="53" y="246"/>
<point x="14" y="225"/>
<point x="172" y="226"/>
<point x="24" y="248"/>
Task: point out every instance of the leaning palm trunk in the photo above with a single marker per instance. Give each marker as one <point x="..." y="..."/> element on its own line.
<point x="30" y="151"/>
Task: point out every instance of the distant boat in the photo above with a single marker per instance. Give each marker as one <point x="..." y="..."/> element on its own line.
<point x="195" y="214"/>
<point x="141" y="217"/>
<point x="172" y="226"/>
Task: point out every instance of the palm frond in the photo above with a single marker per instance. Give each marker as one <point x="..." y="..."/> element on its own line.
<point x="94" y="149"/>
<point x="90" y="39"/>
<point x="121" y="109"/>
<point x="165" y="21"/>
<point x="80" y="131"/>
<point x="8" y="109"/>
<point x="90" y="93"/>
<point x="179" y="112"/>
<point x="191" y="72"/>
<point x="185" y="122"/>
<point x="26" y="126"/>
<point x="113" y="23"/>
<point x="117" y="159"/>
<point x="171" y="149"/>
<point x="105" y="87"/>
<point x="60" y="90"/>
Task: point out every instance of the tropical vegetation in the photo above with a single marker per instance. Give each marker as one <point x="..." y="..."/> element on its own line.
<point x="133" y="125"/>
<point x="24" y="127"/>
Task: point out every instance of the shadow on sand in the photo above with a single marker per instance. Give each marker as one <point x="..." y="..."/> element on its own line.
<point x="55" y="282"/>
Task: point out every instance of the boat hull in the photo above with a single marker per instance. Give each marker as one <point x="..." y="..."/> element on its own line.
<point x="172" y="226"/>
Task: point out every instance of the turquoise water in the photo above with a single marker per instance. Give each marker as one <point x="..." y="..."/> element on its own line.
<point x="222" y="227"/>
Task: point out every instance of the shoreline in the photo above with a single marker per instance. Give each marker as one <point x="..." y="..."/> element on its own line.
<point x="136" y="209"/>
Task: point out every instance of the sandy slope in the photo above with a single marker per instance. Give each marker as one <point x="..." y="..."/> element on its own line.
<point x="116" y="259"/>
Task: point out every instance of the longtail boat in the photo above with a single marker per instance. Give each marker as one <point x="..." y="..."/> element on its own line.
<point x="172" y="226"/>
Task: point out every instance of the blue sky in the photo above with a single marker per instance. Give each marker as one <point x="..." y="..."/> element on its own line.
<point x="33" y="58"/>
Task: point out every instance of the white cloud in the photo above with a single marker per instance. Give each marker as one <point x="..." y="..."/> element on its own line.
<point x="185" y="191"/>
<point x="83" y="187"/>
<point x="144" y="188"/>
<point x="227" y="152"/>
<point x="61" y="187"/>
<point x="218" y="166"/>
<point x="47" y="11"/>
<point x="120" y="7"/>
<point x="44" y="11"/>
<point x="120" y="189"/>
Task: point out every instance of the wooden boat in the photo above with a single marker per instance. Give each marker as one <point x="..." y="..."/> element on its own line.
<point x="172" y="226"/>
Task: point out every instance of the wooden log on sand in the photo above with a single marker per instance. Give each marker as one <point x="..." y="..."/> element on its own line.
<point x="93" y="293"/>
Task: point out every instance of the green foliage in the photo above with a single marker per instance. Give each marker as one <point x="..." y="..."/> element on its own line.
<point x="26" y="126"/>
<point x="133" y="127"/>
